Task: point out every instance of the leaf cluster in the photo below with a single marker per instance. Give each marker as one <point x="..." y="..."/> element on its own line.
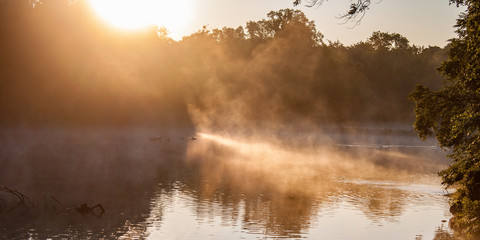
<point x="452" y="114"/>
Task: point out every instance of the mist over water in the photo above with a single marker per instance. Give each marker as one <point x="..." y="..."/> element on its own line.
<point x="209" y="186"/>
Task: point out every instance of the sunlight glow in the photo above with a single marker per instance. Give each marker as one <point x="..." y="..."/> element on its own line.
<point x="241" y="147"/>
<point x="141" y="14"/>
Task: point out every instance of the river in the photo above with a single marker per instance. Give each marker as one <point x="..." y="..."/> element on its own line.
<point x="155" y="183"/>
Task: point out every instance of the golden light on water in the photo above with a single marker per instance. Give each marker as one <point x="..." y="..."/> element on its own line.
<point x="309" y="162"/>
<point x="244" y="146"/>
<point x="236" y="144"/>
<point x="141" y="14"/>
<point x="219" y="139"/>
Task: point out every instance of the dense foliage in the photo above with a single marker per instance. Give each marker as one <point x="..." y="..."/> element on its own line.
<point x="453" y="115"/>
<point x="60" y="66"/>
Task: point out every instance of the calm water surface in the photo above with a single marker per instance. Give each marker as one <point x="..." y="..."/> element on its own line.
<point x="331" y="186"/>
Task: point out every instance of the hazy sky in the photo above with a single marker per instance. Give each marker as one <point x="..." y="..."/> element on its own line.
<point x="423" y="22"/>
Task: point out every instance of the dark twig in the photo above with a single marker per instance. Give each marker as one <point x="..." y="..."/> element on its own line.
<point x="355" y="14"/>
<point x="61" y="204"/>
<point x="21" y="198"/>
<point x="25" y="202"/>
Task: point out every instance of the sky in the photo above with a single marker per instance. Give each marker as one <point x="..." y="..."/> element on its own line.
<point x="423" y="22"/>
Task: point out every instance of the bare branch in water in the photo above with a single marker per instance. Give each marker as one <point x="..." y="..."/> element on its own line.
<point x="61" y="204"/>
<point x="21" y="198"/>
<point x="25" y="202"/>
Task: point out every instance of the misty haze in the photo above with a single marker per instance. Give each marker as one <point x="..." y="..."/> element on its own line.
<point x="262" y="131"/>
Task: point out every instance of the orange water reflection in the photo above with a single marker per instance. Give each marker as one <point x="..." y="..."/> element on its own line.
<point x="212" y="189"/>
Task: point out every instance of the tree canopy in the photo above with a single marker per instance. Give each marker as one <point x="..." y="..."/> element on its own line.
<point x="277" y="69"/>
<point x="452" y="114"/>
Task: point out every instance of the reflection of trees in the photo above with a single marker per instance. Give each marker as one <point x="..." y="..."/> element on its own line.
<point x="442" y="233"/>
<point x="117" y="168"/>
<point x="377" y="203"/>
<point x="267" y="190"/>
<point x="284" y="215"/>
<point x="274" y="194"/>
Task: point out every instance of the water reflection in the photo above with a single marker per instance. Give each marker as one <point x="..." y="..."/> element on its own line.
<point x="214" y="188"/>
<point x="443" y="233"/>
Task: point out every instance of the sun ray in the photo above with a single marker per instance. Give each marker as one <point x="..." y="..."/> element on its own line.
<point x="142" y="14"/>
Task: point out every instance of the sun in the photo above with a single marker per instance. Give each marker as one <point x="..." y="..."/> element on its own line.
<point x="141" y="14"/>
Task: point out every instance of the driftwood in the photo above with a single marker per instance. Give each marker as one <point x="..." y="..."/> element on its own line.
<point x="24" y="202"/>
<point x="84" y="210"/>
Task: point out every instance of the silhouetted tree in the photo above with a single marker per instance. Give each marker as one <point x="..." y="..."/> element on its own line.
<point x="388" y="41"/>
<point x="285" y="22"/>
<point x="278" y="69"/>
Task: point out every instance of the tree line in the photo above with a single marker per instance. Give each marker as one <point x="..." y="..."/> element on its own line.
<point x="59" y="66"/>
